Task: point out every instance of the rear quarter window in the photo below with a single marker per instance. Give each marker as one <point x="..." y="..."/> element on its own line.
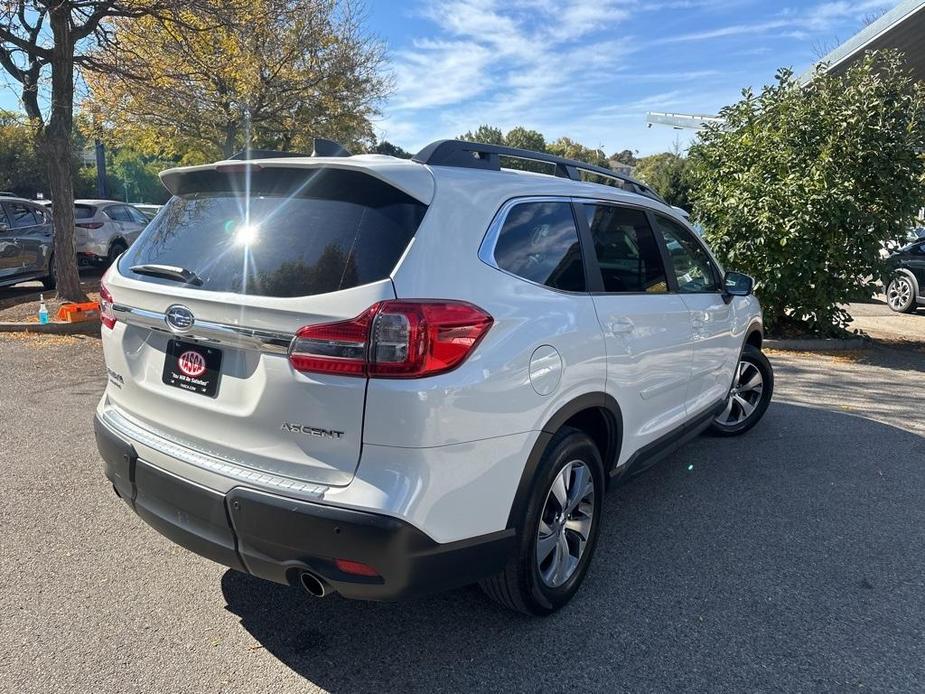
<point x="539" y="242"/>
<point x="300" y="232"/>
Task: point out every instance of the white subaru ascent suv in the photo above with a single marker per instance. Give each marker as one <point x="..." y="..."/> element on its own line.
<point x="383" y="377"/>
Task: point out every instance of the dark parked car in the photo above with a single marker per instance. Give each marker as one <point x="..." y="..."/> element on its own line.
<point x="26" y="242"/>
<point x="906" y="282"/>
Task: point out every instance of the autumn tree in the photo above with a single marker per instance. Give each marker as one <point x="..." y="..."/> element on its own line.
<point x="667" y="173"/>
<point x="386" y="147"/>
<point x="523" y="138"/>
<point x="272" y="75"/>
<point x="485" y="134"/>
<point x="626" y="156"/>
<point x="56" y="37"/>
<point x="568" y="148"/>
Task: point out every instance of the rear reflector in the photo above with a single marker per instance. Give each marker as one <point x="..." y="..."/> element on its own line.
<point x="393" y="339"/>
<point x="357" y="568"/>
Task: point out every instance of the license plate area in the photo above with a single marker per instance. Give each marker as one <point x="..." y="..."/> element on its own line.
<point x="192" y="367"/>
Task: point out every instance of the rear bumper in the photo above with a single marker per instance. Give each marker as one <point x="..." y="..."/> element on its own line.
<point x="277" y="538"/>
<point x="86" y="258"/>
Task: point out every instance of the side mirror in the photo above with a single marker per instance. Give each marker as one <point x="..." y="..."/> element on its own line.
<point x="4" y="227"/>
<point x="737" y="284"/>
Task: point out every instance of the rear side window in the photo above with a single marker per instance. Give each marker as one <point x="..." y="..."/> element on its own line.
<point x="300" y="232"/>
<point x="539" y="242"/>
<point x="20" y="215"/>
<point x="626" y="249"/>
<point x="135" y="215"/>
<point x="118" y="212"/>
<point x="84" y="211"/>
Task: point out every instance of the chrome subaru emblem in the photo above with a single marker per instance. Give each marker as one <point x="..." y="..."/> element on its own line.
<point x="179" y="318"/>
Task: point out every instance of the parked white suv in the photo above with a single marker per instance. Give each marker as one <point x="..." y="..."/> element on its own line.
<point x="104" y="229"/>
<point x="381" y="377"/>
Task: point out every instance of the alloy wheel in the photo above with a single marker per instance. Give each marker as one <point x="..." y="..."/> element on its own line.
<point x="565" y="523"/>
<point x="745" y="395"/>
<point x="899" y="293"/>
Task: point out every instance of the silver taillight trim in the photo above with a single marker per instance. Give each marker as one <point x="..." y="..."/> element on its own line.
<point x="270" y="341"/>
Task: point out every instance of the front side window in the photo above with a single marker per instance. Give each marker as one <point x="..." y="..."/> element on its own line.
<point x="626" y="250"/>
<point x="539" y="242"/>
<point x="693" y="268"/>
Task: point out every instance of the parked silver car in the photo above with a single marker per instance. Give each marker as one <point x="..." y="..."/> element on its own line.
<point x="105" y="229"/>
<point x="26" y="242"/>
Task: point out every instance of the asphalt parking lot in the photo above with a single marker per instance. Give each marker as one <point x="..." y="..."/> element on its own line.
<point x="792" y="559"/>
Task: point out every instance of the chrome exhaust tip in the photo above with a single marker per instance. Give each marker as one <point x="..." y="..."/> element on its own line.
<point x="313" y="585"/>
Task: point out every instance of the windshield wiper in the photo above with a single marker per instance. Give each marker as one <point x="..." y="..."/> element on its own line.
<point x="170" y="272"/>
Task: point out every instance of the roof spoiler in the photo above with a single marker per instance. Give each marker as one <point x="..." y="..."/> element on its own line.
<point x="476" y="155"/>
<point x="320" y="148"/>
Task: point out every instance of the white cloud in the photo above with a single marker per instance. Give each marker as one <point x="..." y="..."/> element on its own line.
<point x="573" y="67"/>
<point x="721" y="32"/>
<point x="439" y="73"/>
<point x="500" y="60"/>
<point x="826" y="14"/>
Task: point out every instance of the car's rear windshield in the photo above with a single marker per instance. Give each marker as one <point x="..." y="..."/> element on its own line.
<point x="84" y="211"/>
<point x="298" y="232"/>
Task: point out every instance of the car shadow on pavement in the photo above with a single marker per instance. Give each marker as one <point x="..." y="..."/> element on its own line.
<point x="787" y="559"/>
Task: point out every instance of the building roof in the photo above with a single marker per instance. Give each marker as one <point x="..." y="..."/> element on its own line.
<point x="902" y="28"/>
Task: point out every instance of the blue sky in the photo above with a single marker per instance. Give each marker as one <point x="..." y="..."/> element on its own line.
<point x="588" y="69"/>
<point x="591" y="69"/>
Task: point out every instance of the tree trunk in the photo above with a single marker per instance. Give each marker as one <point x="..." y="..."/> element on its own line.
<point x="231" y="137"/>
<point x="56" y="144"/>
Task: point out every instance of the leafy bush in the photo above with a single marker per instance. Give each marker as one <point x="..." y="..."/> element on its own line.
<point x="803" y="182"/>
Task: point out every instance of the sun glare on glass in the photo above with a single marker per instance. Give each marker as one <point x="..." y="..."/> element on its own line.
<point x="246" y="234"/>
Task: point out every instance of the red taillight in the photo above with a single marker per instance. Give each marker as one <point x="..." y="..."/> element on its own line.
<point x="89" y="225"/>
<point x="338" y="348"/>
<point x="107" y="316"/>
<point x="357" y="568"/>
<point x="393" y="339"/>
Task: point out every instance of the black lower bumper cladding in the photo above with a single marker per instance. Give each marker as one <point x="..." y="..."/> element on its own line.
<point x="278" y="538"/>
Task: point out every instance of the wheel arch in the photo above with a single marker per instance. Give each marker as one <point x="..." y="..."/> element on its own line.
<point x="598" y="415"/>
<point x="754" y="336"/>
<point x="911" y="275"/>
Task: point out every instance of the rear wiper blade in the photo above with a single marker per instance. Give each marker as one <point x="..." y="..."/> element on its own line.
<point x="170" y="272"/>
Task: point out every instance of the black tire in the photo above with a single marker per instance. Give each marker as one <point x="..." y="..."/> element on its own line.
<point x="50" y="281"/>
<point x="115" y="250"/>
<point x="520" y="586"/>
<point x="756" y="359"/>
<point x="901" y="294"/>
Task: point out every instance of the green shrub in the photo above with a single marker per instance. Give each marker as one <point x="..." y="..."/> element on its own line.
<point x="803" y="182"/>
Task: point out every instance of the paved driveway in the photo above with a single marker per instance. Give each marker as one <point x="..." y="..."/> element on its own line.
<point x="792" y="559"/>
<point x="877" y="320"/>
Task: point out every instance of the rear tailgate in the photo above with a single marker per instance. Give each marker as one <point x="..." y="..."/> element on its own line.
<point x="305" y="247"/>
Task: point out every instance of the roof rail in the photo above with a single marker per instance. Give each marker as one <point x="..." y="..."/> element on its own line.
<point x="321" y="148"/>
<point x="476" y="155"/>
